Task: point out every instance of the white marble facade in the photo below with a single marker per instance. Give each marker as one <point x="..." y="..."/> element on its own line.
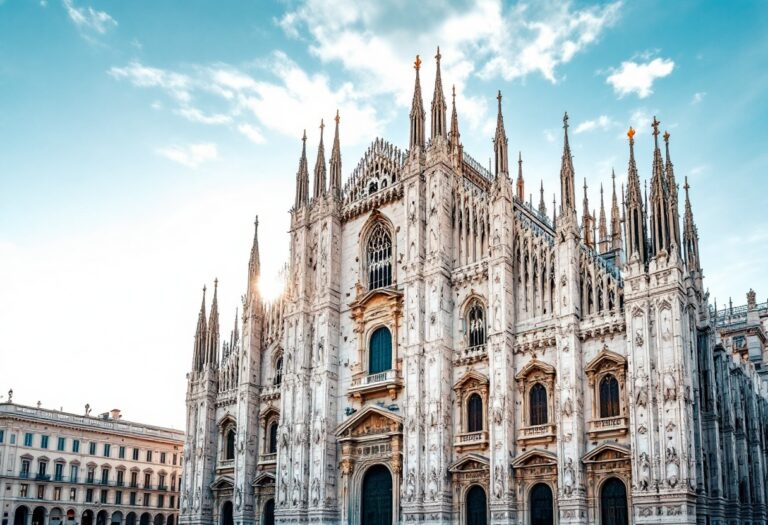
<point x="445" y="352"/>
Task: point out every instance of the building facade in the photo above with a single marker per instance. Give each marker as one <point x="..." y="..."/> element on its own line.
<point x="446" y="352"/>
<point x="58" y="468"/>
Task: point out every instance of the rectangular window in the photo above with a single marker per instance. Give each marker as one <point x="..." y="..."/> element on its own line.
<point x="92" y="448"/>
<point x="73" y="473"/>
<point x="72" y="494"/>
<point x="147" y="480"/>
<point x="162" y="458"/>
<point x="75" y="445"/>
<point x="120" y="477"/>
<point x="173" y="483"/>
<point x="132" y="498"/>
<point x="103" y="495"/>
<point x="42" y="468"/>
<point x="174" y="458"/>
<point x="57" y="493"/>
<point x="28" y="439"/>
<point x="107" y="450"/>
<point x="91" y="475"/>
<point x="160" y="501"/>
<point x="172" y="502"/>
<point x="104" y="476"/>
<point x="44" y="442"/>
<point x="149" y="456"/>
<point x="2" y="435"/>
<point x="13" y="439"/>
<point x="146" y="500"/>
<point x="88" y="495"/>
<point x="161" y="482"/>
<point x="41" y="492"/>
<point x="24" y="468"/>
<point x="134" y="479"/>
<point x="135" y="454"/>
<point x="118" y="498"/>
<point x="58" y="472"/>
<point x="23" y="490"/>
<point x="121" y="452"/>
<point x="61" y="444"/>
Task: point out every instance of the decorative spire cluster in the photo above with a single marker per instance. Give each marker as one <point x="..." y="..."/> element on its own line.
<point x="603" y="243"/>
<point x="320" y="165"/>
<point x="659" y="199"/>
<point x="690" y="235"/>
<point x="302" y="176"/>
<point x="616" y="241"/>
<point x="335" y="163"/>
<point x="417" y="113"/>
<point x="567" y="191"/>
<point x="457" y="150"/>
<point x="438" y="128"/>
<point x="500" y="143"/>
<point x="674" y="215"/>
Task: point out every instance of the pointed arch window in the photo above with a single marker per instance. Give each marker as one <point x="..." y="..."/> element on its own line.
<point x="272" y="444"/>
<point x="230" y="447"/>
<point x="379" y="258"/>
<point x="538" y="404"/>
<point x="474" y="413"/>
<point x="476" y="323"/>
<point x="609" y="396"/>
<point x="278" y="371"/>
<point x="380" y="351"/>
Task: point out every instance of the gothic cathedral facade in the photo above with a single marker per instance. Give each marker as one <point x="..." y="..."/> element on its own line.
<point x="446" y="352"/>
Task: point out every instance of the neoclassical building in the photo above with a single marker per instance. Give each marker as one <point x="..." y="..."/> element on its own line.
<point x="446" y="352"/>
<point x="59" y="468"/>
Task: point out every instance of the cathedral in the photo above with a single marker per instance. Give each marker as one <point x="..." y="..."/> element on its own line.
<point x="446" y="352"/>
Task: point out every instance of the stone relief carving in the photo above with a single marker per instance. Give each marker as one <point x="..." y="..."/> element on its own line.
<point x="639" y="338"/>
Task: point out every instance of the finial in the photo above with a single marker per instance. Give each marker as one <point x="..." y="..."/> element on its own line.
<point x="666" y="136"/>
<point x="256" y="221"/>
<point x="631" y="134"/>
<point x="498" y="97"/>
<point x="304" y="137"/>
<point x="438" y="56"/>
<point x="322" y="127"/>
<point x="655" y="126"/>
<point x="565" y="120"/>
<point x="417" y="63"/>
<point x="519" y="157"/>
<point x="453" y="89"/>
<point x="337" y="119"/>
<point x="686" y="186"/>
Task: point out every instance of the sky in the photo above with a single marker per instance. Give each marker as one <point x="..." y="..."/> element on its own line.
<point x="138" y="141"/>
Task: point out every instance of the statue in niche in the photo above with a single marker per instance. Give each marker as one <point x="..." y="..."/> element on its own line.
<point x="412" y="211"/>
<point x="498" y="408"/>
<point x="184" y="500"/>
<point x="432" y="484"/>
<point x="569" y="477"/>
<point x="497" y="312"/>
<point x="296" y="492"/>
<point x="498" y="482"/>
<point x="673" y="467"/>
<point x="670" y="387"/>
<point x="197" y="499"/>
<point x="644" y="480"/>
<point x="410" y="485"/>
<point x="238" y="498"/>
<point x="641" y="389"/>
<point x="567" y="404"/>
<point x="315" y="491"/>
<point x="638" y="338"/>
<point x="321" y="350"/>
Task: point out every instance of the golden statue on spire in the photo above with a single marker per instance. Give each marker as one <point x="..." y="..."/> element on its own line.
<point x="417" y="64"/>
<point x="631" y="133"/>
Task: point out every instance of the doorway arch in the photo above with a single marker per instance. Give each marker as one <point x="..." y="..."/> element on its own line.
<point x="376" y="498"/>
<point x="226" y="513"/>
<point x="613" y="503"/>
<point x="541" y="505"/>
<point x="269" y="513"/>
<point x="87" y="518"/>
<point x="20" y="516"/>
<point x="477" y="506"/>
<point x="38" y="516"/>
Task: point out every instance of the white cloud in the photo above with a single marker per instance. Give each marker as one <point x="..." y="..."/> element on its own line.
<point x="89" y="18"/>
<point x="698" y="97"/>
<point x="174" y="84"/>
<point x="550" y="135"/>
<point x="603" y="122"/>
<point x="191" y="155"/>
<point x="253" y="134"/>
<point x="195" y="115"/>
<point x="638" y="78"/>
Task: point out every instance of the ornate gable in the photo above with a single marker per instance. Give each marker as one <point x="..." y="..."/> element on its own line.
<point x="607" y="452"/>
<point x="470" y="463"/>
<point x="606" y="360"/>
<point x="370" y="421"/>
<point x="533" y="366"/>
<point x="470" y="376"/>
<point x="535" y="458"/>
<point x="223" y="483"/>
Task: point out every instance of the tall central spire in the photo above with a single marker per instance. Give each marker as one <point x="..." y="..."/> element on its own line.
<point x="438" y="103"/>
<point x="634" y="208"/>
<point x="302" y="176"/>
<point x="417" y="112"/>
<point x="567" y="190"/>
<point x="335" y="163"/>
<point x="500" y="143"/>
<point x="320" y="165"/>
<point x="658" y="204"/>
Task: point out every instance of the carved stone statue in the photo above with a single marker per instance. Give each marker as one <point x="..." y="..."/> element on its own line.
<point x="644" y="480"/>
<point x="670" y="387"/>
<point x="498" y="482"/>
<point x="673" y="467"/>
<point x="432" y="488"/>
<point x="641" y="389"/>
<point x="296" y="491"/>
<point x="569" y="477"/>
<point x="315" y="491"/>
<point x="410" y="485"/>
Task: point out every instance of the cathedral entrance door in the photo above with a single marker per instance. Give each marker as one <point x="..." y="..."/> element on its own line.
<point x="226" y="513"/>
<point x="269" y="513"/>
<point x="613" y="503"/>
<point x="541" y="505"/>
<point x="376" y="508"/>
<point x="477" y="512"/>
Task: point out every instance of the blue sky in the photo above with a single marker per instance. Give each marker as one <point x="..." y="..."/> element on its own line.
<point x="139" y="139"/>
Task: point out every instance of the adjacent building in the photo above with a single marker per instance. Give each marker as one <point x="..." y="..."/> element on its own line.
<point x="59" y="468"/>
<point x="447" y="351"/>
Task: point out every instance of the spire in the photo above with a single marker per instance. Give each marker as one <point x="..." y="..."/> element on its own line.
<point x="500" y="143"/>
<point x="254" y="263"/>
<point x="674" y="214"/>
<point x="302" y="176"/>
<point x="417" y="112"/>
<point x="659" y="202"/>
<point x="438" y="103"/>
<point x="542" y="206"/>
<point x="320" y="165"/>
<point x="455" y="136"/>
<point x="690" y="235"/>
<point x="603" y="245"/>
<point x="235" y="337"/>
<point x="586" y="220"/>
<point x="212" y="346"/>
<point x="520" y="183"/>
<point x="554" y="210"/>
<point x="567" y="191"/>
<point x="615" y="218"/>
<point x="335" y="163"/>
<point x="634" y="207"/>
<point x="200" y="337"/>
